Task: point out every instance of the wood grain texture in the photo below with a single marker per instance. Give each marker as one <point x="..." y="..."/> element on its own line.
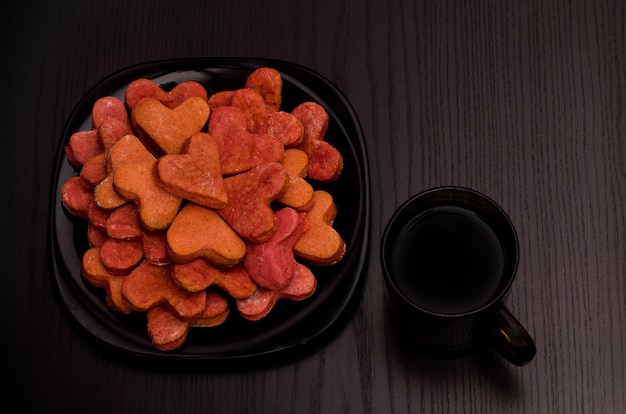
<point x="522" y="100"/>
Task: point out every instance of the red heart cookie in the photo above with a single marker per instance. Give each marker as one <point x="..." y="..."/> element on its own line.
<point x="301" y="286"/>
<point x="239" y="149"/>
<point x="145" y="88"/>
<point x="325" y="162"/>
<point x="250" y="194"/>
<point x="271" y="264"/>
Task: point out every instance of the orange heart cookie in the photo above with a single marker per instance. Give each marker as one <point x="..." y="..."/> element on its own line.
<point x="148" y="286"/>
<point x="299" y="192"/>
<point x="195" y="174"/>
<point x="133" y="178"/>
<point x="96" y="274"/>
<point x="199" y="274"/>
<point x="168" y="129"/>
<point x="198" y="231"/>
<point x="321" y="243"/>
<point x="106" y="196"/>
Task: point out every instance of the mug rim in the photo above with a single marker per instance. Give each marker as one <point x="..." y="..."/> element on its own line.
<point x="385" y="239"/>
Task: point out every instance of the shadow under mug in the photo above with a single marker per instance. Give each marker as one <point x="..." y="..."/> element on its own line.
<point x="449" y="256"/>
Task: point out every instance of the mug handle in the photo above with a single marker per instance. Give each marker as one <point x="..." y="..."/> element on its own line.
<point x="509" y="338"/>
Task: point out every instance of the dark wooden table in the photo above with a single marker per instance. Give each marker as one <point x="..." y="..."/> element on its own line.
<point x="522" y="100"/>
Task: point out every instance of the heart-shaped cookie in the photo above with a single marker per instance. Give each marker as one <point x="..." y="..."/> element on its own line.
<point x="150" y="285"/>
<point x="168" y="332"/>
<point x="325" y="161"/>
<point x="198" y="231"/>
<point x="195" y="174"/>
<point x="271" y="264"/>
<point x="199" y="274"/>
<point x="301" y="286"/>
<point x="321" y="244"/>
<point x="96" y="274"/>
<point x="269" y="84"/>
<point x="239" y="149"/>
<point x="250" y="194"/>
<point x="145" y="88"/>
<point x="167" y="129"/>
<point x="132" y="171"/>
<point x="299" y="192"/>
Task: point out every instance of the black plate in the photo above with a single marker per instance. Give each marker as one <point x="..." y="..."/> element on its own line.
<point x="289" y="324"/>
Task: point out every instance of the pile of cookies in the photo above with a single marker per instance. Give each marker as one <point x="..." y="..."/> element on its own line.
<point x="197" y="204"/>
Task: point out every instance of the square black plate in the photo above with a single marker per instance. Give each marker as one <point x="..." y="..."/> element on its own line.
<point x="290" y="324"/>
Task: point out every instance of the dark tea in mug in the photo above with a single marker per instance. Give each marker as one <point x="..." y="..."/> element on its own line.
<point x="449" y="255"/>
<point x="448" y="260"/>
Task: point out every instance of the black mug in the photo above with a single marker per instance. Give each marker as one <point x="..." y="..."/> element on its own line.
<point x="449" y="256"/>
